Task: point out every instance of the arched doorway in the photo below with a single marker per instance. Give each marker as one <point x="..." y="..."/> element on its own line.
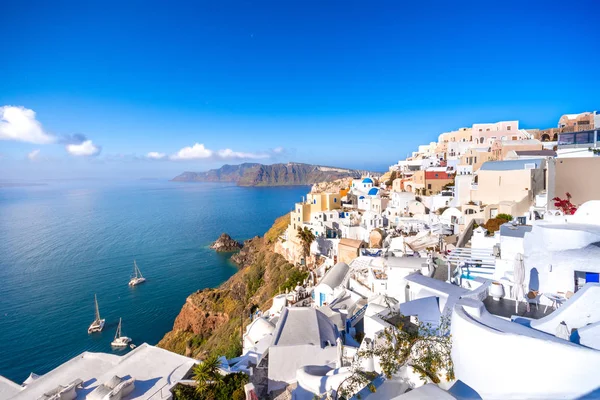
<point x="545" y="137"/>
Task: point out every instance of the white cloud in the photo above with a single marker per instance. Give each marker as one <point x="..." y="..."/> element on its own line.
<point x="154" y="155"/>
<point x="85" y="148"/>
<point x="229" y="154"/>
<point x="278" y="150"/>
<point x="33" y="155"/>
<point x="19" y="123"/>
<point x="199" y="152"/>
<point x="195" y="152"/>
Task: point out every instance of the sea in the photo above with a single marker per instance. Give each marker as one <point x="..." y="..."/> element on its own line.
<point x="63" y="242"/>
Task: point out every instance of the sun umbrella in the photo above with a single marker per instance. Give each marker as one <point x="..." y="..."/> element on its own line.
<point x="339" y="362"/>
<point x="562" y="331"/>
<point x="519" y="277"/>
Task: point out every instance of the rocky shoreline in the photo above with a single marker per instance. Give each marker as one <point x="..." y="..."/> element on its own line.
<point x="225" y="244"/>
<point x="211" y="320"/>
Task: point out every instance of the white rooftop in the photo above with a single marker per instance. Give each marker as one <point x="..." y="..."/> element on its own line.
<point x="302" y="326"/>
<point x="435" y="286"/>
<point x="155" y="371"/>
<point x="8" y="388"/>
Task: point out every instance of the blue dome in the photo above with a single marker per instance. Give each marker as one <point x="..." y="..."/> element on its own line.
<point x="373" y="192"/>
<point x="361" y="197"/>
<point x="367" y="180"/>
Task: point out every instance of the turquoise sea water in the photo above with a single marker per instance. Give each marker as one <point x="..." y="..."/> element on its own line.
<point x="62" y="242"/>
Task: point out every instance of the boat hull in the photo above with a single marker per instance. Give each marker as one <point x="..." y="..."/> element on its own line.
<point x="96" y="326"/>
<point x="136" y="281"/>
<point x="123" y="341"/>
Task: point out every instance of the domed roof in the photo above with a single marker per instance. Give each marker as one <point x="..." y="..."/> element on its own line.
<point x="373" y="192"/>
<point x="367" y="180"/>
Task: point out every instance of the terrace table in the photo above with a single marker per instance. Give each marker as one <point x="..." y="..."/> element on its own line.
<point x="556" y="300"/>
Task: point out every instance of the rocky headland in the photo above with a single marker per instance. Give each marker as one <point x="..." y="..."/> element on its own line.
<point x="254" y="174"/>
<point x="211" y="320"/>
<point x="226" y="244"/>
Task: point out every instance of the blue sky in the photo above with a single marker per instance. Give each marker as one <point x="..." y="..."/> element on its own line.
<point x="357" y="84"/>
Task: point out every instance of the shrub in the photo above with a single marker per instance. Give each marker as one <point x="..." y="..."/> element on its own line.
<point x="493" y="224"/>
<point x="506" y="217"/>
<point x="254" y="279"/>
<point x="565" y="205"/>
<point x="294" y="278"/>
<point x="393" y="176"/>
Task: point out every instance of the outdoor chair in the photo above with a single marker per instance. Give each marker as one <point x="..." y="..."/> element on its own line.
<point x="569" y="294"/>
<point x="533" y="297"/>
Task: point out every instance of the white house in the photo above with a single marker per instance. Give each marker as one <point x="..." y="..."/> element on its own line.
<point x="333" y="279"/>
<point x="500" y="359"/>
<point x="144" y="373"/>
<point x="560" y="255"/>
<point x="304" y="336"/>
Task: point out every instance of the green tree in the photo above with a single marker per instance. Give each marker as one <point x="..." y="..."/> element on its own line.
<point x="207" y="377"/>
<point x="211" y="385"/>
<point x="425" y="348"/>
<point x="393" y="176"/>
<point x="306" y="237"/>
<point x="506" y="217"/>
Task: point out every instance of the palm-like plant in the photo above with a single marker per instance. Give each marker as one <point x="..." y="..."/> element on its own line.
<point x="306" y="237"/>
<point x="207" y="376"/>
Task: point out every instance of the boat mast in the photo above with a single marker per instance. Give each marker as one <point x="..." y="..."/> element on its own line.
<point x="97" y="310"/>
<point x="118" y="334"/>
<point x="138" y="273"/>
<point x="135" y="269"/>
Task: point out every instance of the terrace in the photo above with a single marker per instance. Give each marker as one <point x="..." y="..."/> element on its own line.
<point x="579" y="139"/>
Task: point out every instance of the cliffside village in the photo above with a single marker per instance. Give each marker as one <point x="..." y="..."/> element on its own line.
<point x="493" y="231"/>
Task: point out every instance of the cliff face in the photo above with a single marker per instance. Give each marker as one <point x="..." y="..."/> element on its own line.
<point x="331" y="187"/>
<point x="211" y="320"/>
<point x="251" y="174"/>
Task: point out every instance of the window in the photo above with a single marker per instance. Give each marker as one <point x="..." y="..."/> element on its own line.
<point x="508" y="128"/>
<point x="514" y="138"/>
<point x="315" y="201"/>
<point x="429" y="186"/>
<point x="487" y="129"/>
<point x="474" y="160"/>
<point x="334" y="200"/>
<point x="436" y="175"/>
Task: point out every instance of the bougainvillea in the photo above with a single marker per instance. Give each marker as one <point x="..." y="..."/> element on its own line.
<point x="565" y="205"/>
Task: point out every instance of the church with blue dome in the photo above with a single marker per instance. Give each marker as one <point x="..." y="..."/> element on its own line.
<point x="364" y="184"/>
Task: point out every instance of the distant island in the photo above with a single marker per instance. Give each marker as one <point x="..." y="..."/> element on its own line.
<point x="255" y="174"/>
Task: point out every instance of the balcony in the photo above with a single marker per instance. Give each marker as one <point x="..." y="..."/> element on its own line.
<point x="578" y="139"/>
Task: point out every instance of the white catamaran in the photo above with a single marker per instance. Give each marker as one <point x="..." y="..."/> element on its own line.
<point x="137" y="277"/>
<point x="98" y="323"/>
<point x="120" y="341"/>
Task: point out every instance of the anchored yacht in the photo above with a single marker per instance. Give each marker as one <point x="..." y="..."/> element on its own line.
<point x="98" y="323"/>
<point x="137" y="277"/>
<point x="120" y="341"/>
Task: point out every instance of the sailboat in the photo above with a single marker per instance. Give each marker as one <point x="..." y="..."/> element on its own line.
<point x="120" y="341"/>
<point x="137" y="277"/>
<point x="98" y="323"/>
